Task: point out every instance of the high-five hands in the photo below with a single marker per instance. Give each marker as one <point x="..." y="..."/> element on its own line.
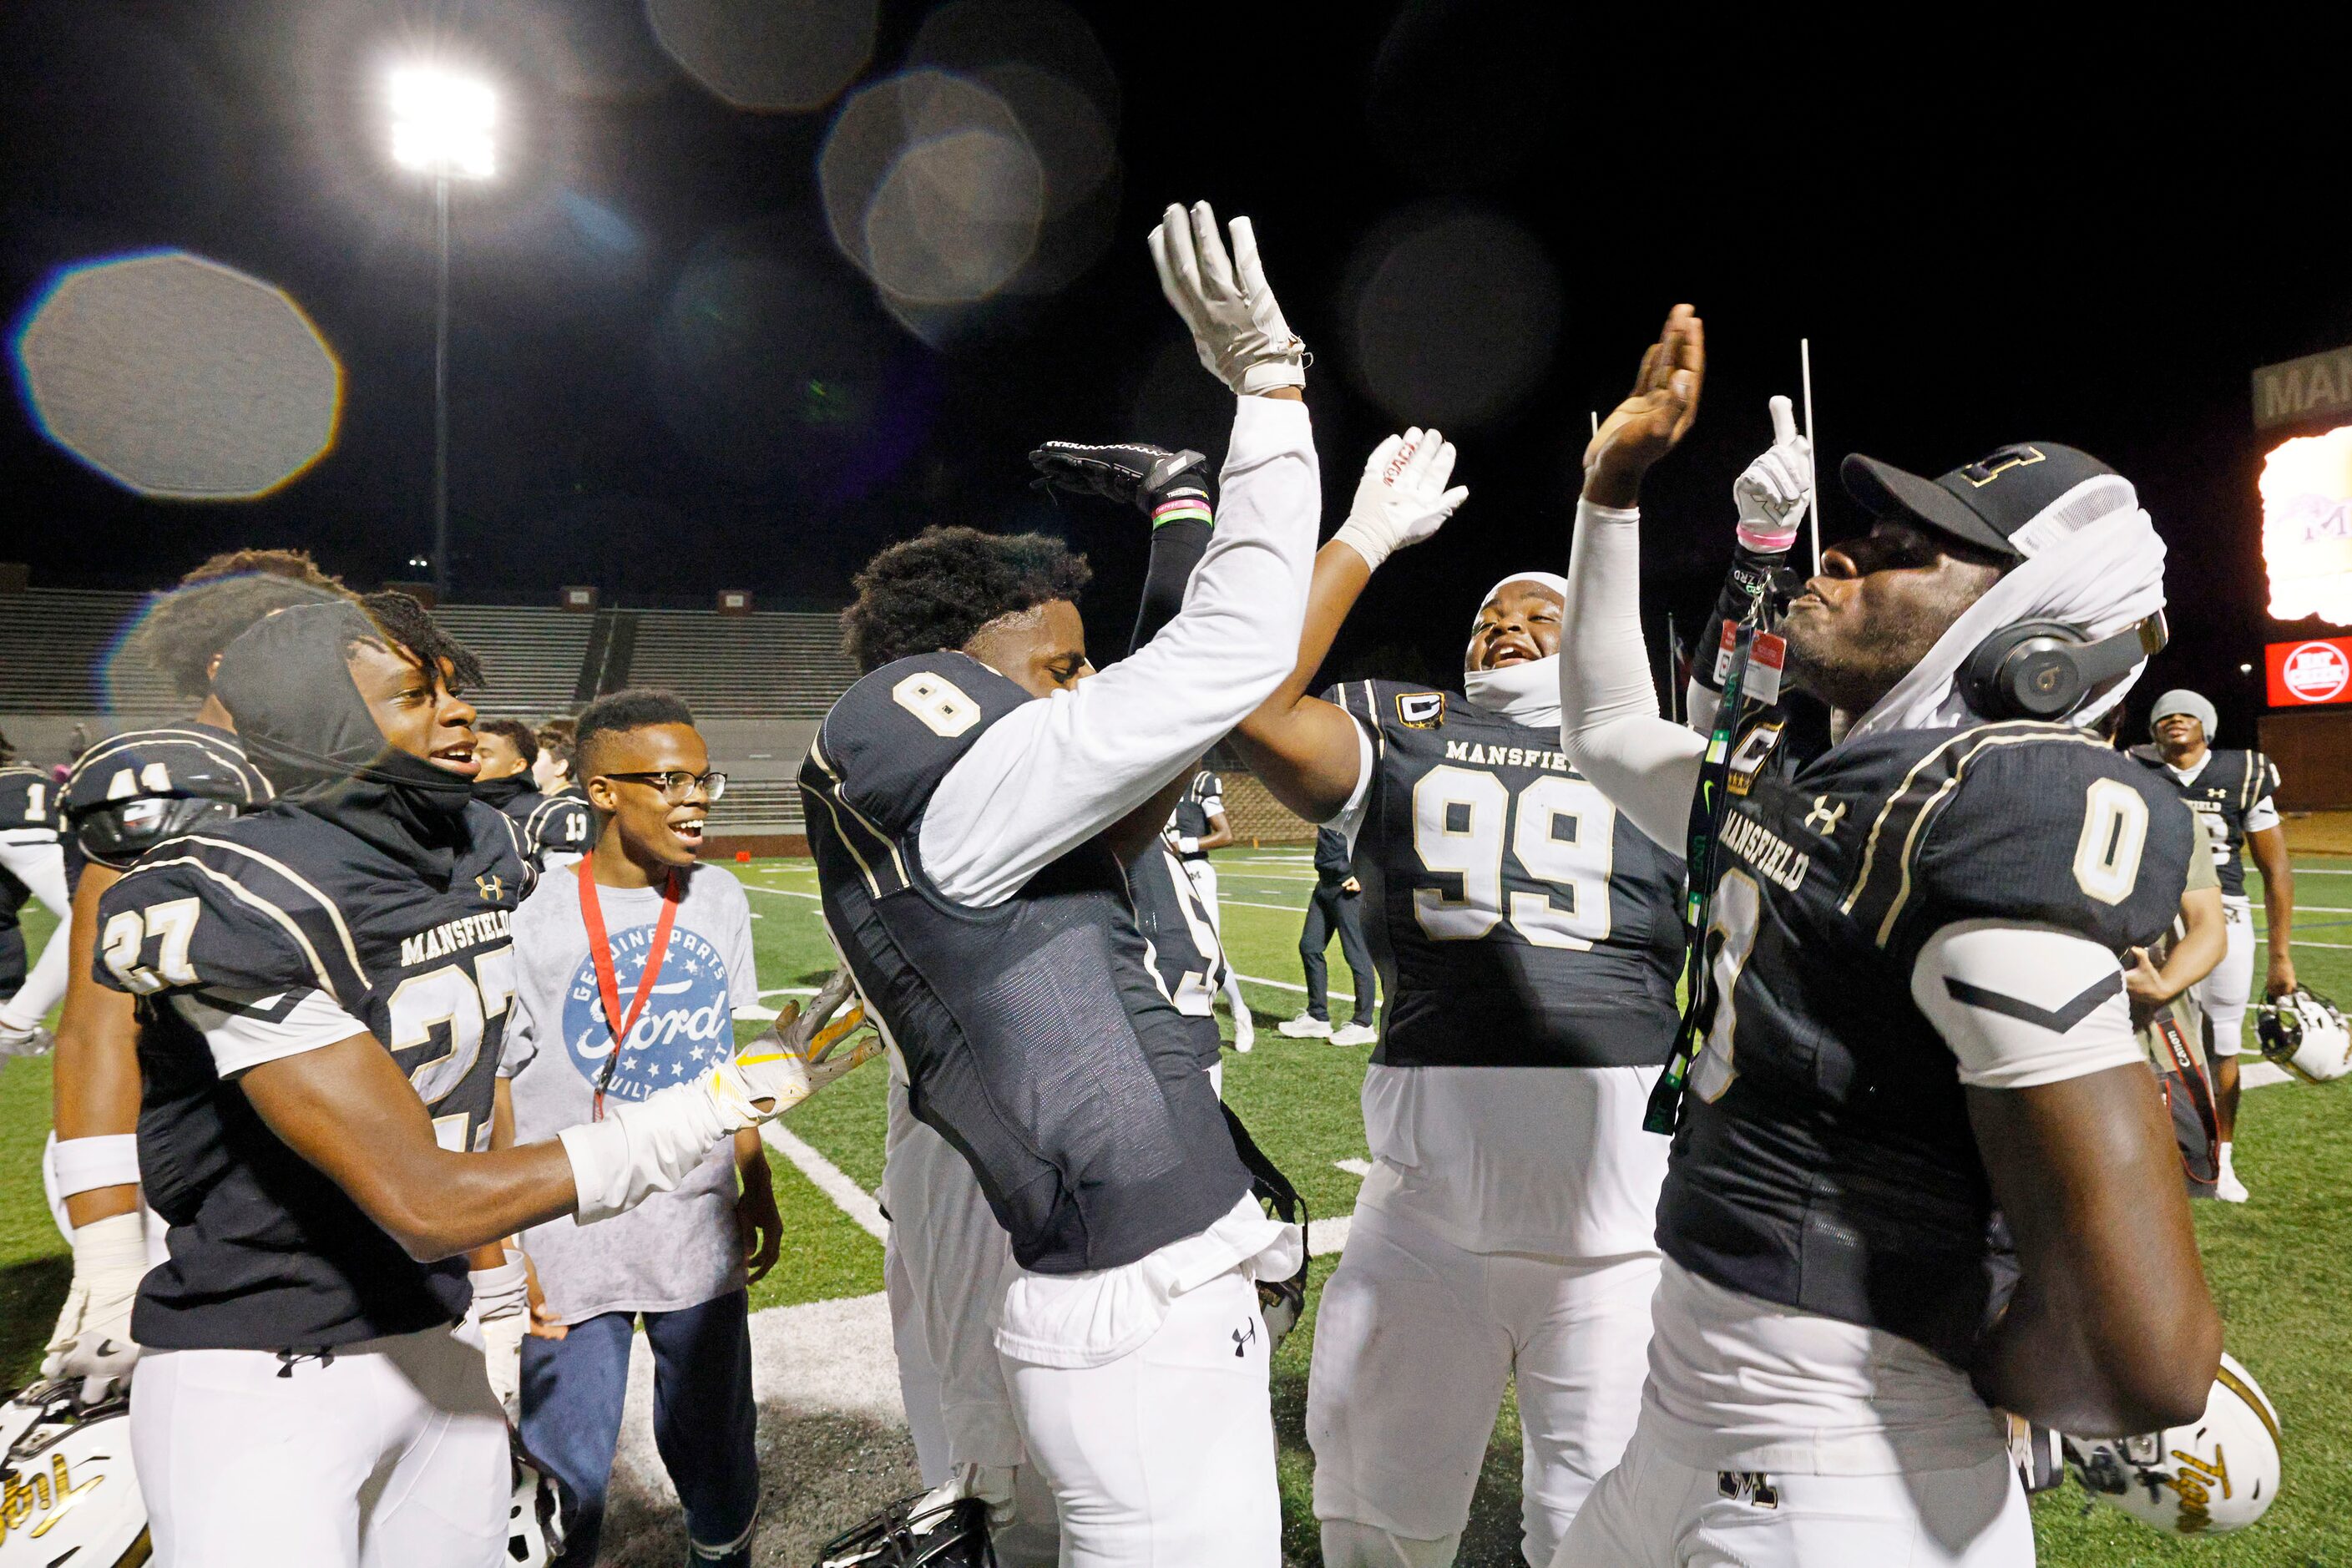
<point x="1401" y="500"/>
<point x="1655" y="415"/>
<point x="795" y="1057"/>
<point x="1772" y="492"/>
<point x="1237" y="328"/>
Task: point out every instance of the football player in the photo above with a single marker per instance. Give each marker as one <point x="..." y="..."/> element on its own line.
<point x="1527" y="943"/>
<point x="125" y="795"/>
<point x="32" y="866"/>
<point x="2232" y="792"/>
<point x="505" y="748"/>
<point x="1337" y="906"/>
<point x="562" y="826"/>
<point x="1909" y="1022"/>
<point x="322" y="988"/>
<point x="970" y="802"/>
<point x="1197" y="825"/>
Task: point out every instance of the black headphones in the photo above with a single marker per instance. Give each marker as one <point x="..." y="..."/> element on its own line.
<point x="2043" y="669"/>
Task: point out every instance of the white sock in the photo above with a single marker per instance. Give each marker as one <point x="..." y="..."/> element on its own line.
<point x="2225" y="1159"/>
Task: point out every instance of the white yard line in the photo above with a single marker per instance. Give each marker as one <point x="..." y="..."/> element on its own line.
<point x="2260" y="1074"/>
<point x="847" y="1195"/>
<point x="1355" y="1167"/>
<point x="778" y="892"/>
<point x="1277" y="908"/>
<point x="1277" y="984"/>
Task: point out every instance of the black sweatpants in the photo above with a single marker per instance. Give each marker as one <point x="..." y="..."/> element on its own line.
<point x="1334" y="907"/>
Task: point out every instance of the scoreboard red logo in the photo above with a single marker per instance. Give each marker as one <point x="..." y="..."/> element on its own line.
<point x="2303" y="674"/>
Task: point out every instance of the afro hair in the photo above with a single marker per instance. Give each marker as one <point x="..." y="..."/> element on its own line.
<point x="182" y="634"/>
<point x="935" y="590"/>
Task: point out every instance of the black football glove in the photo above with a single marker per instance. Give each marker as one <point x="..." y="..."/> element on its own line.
<point x="1135" y="473"/>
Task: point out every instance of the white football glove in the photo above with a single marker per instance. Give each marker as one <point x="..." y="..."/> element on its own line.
<point x="651" y="1146"/>
<point x="1237" y="328"/>
<point x="1771" y="491"/>
<point x="501" y="1309"/>
<point x="93" y="1339"/>
<point x="1401" y="500"/>
<point x="25" y="1040"/>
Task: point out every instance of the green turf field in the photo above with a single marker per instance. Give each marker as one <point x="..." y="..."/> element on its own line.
<point x="2282" y="1265"/>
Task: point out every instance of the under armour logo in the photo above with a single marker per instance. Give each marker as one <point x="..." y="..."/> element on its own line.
<point x="1245" y="1336"/>
<point x="490" y="887"/>
<point x="1824" y="817"/>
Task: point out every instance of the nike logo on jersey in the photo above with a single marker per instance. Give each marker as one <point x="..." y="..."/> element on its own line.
<point x="450" y="936"/>
<point x="2058" y="1021"/>
<point x="1504" y="756"/>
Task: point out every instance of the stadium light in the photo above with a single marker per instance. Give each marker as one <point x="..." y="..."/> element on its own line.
<point x="441" y="125"/>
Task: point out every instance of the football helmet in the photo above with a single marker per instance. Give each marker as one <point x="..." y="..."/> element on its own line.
<point x="67" y="1487"/>
<point x="928" y="1530"/>
<point x="2306" y="1034"/>
<point x="534" y="1513"/>
<point x="2218" y="1475"/>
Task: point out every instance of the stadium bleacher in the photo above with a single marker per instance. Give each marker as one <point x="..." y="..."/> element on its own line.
<point x="771" y="665"/>
<point x="758" y="684"/>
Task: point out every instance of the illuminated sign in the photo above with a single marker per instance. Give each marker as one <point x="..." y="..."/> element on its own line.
<point x="2317" y="386"/>
<point x="2306" y="487"/>
<point x="2305" y="674"/>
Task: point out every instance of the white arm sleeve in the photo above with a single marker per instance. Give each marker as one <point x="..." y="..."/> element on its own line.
<point x="1609" y="720"/>
<point x="2024" y="1004"/>
<point x="246" y="1029"/>
<point x="2264" y="815"/>
<point x="38" y="860"/>
<point x="1052" y="774"/>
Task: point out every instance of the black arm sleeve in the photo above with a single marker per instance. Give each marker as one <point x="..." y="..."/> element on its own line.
<point x="1176" y="548"/>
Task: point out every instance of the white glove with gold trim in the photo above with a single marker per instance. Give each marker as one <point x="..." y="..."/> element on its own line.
<point x="1237" y="328"/>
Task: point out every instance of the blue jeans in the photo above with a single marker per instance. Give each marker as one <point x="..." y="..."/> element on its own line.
<point x="704" y="1420"/>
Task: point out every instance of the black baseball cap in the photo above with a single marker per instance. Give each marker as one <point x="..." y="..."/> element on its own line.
<point x="1984" y="503"/>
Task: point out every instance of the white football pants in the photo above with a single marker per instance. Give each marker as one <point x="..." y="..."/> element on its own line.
<point x="943" y="1270"/>
<point x="1414" y="1341"/>
<point x="1163" y="1458"/>
<point x="392" y="1455"/>
<point x="1652" y="1513"/>
<point x="2224" y="994"/>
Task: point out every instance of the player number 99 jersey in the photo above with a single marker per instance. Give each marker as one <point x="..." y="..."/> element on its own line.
<point x="1517" y="921"/>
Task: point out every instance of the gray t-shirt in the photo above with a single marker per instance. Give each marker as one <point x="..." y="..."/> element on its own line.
<point x="678" y="1248"/>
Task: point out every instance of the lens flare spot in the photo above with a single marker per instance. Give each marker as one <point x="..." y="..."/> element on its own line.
<point x="2307" y="490"/>
<point x="178" y="378"/>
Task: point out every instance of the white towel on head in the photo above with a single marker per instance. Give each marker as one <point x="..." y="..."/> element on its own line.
<point x="1525" y="693"/>
<point x="2094" y="563"/>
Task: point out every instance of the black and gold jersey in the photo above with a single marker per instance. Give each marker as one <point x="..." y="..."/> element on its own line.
<point x="232" y="928"/>
<point x="2234" y="792"/>
<point x="1825" y="1159"/>
<point x="1515" y="919"/>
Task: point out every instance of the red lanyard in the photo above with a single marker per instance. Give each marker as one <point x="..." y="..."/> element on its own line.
<point x="591" y="914"/>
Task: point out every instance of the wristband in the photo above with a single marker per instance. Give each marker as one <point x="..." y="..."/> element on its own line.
<point x="86" y="1165"/>
<point x="1189" y="506"/>
<point x="642" y="1149"/>
<point x="1765" y="540"/>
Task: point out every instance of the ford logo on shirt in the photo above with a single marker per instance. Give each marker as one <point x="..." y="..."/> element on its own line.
<point x="687" y="1027"/>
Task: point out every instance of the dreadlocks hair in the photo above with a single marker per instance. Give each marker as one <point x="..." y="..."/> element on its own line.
<point x="409" y="626"/>
<point x="183" y="631"/>
<point x="517" y="733"/>
<point x="935" y="590"/>
<point x="295" y="566"/>
<point x="638" y="708"/>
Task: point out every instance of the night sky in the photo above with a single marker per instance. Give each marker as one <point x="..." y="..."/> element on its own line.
<point x="666" y="378"/>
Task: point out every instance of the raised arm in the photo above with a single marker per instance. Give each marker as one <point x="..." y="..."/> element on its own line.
<point x="1059" y="770"/>
<point x="1609" y="725"/>
<point x="1308" y="751"/>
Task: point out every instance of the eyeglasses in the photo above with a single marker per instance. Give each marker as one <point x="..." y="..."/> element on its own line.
<point x="677" y="783"/>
